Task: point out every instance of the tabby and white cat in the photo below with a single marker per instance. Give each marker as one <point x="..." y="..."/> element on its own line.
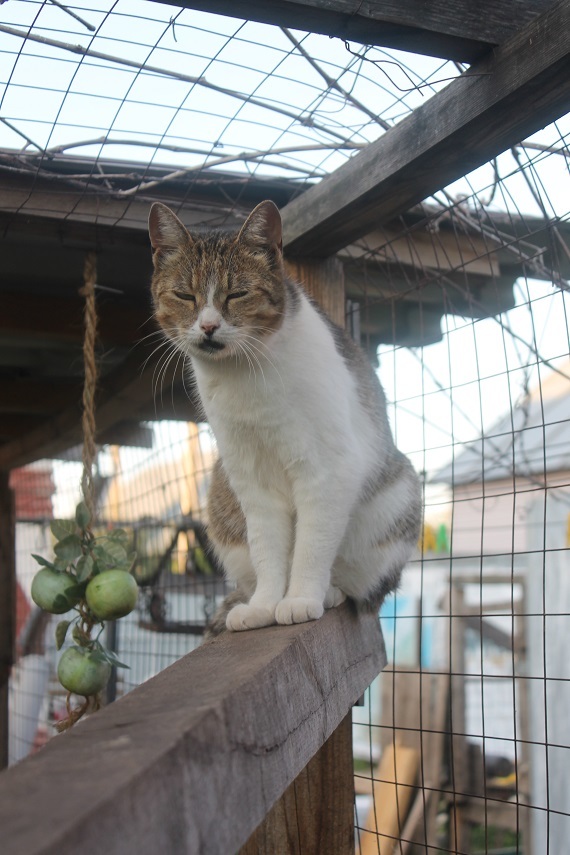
<point x="310" y="501"/>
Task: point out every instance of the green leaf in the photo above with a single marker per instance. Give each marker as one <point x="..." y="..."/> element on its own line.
<point x="113" y="660"/>
<point x="84" y="568"/>
<point x="118" y="534"/>
<point x="128" y="566"/>
<point x="99" y="655"/>
<point x="45" y="563"/>
<point x="61" y="632"/>
<point x="102" y="560"/>
<point x="69" y="548"/>
<point x="60" y="602"/>
<point x="77" y="635"/>
<point x="113" y="552"/>
<point x="61" y="528"/>
<point x="119" y="664"/>
<point x="98" y="567"/>
<point x="76" y="590"/>
<point x="82" y="515"/>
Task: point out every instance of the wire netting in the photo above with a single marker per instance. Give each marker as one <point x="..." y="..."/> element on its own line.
<point x="463" y="742"/>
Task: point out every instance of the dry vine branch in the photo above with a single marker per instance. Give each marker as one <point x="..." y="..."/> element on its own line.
<point x="306" y="121"/>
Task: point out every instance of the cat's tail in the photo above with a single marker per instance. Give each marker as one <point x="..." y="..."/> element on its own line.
<point x="218" y="623"/>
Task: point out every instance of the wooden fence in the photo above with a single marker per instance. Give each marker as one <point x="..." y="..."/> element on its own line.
<point x="243" y="746"/>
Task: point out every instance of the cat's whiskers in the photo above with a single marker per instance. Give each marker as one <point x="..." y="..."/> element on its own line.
<point x="153" y="334"/>
<point x="260" y="342"/>
<point x="185" y="373"/>
<point x="159" y="372"/>
<point x="178" y="344"/>
<point x="242" y="350"/>
<point x="169" y="337"/>
<point x="253" y="360"/>
<point x="180" y="356"/>
<point x="160" y="334"/>
<point x="165" y="343"/>
<point x="254" y="354"/>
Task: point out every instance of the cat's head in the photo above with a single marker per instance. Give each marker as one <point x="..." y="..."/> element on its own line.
<point x="218" y="296"/>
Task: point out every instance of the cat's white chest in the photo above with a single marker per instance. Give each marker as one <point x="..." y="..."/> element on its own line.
<point x="241" y="398"/>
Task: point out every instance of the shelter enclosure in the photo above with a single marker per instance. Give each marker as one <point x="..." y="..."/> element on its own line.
<point x="419" y="155"/>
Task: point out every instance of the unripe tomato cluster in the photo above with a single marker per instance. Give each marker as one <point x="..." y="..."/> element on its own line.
<point x="92" y="576"/>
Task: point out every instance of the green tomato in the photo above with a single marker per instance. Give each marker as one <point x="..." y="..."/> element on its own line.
<point x="81" y="674"/>
<point x="52" y="591"/>
<point x="112" y="594"/>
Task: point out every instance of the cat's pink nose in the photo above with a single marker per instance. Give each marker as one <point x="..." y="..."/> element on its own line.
<point x="209" y="327"/>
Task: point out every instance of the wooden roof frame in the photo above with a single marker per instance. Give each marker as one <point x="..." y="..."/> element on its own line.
<point x="513" y="91"/>
<point x="462" y="31"/>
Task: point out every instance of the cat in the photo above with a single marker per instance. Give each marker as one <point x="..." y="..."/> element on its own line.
<point x="310" y="501"/>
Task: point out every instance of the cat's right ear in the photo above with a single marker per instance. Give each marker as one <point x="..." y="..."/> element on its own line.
<point x="165" y="229"/>
<point x="263" y="227"/>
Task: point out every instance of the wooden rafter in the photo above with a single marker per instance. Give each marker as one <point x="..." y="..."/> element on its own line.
<point x="463" y="31"/>
<point x="124" y="393"/>
<point x="523" y="86"/>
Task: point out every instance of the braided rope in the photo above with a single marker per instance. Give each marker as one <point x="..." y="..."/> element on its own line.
<point x="90" y="382"/>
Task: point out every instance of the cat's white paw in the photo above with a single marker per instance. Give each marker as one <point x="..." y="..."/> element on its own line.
<point x="246" y="616"/>
<point x="298" y="610"/>
<point x="334" y="597"/>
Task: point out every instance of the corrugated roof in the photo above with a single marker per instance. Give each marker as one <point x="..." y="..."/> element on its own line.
<point x="531" y="440"/>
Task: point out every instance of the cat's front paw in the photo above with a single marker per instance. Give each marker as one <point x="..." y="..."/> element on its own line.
<point x="298" y="610"/>
<point x="334" y="597"/>
<point x="246" y="616"/>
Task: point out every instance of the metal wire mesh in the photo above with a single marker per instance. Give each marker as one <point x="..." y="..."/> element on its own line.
<point x="462" y="744"/>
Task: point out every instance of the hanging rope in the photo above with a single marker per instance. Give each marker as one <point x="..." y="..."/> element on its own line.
<point x="90" y="382"/>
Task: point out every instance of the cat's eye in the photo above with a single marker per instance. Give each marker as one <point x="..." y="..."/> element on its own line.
<point x="235" y="295"/>
<point x="184" y="295"/>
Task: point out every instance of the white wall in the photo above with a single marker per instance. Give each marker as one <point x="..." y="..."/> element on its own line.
<point x="548" y="663"/>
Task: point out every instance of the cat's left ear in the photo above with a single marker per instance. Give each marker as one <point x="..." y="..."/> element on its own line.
<point x="165" y="229"/>
<point x="263" y="227"/>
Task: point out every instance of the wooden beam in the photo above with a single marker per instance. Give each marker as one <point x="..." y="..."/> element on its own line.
<point x="193" y="759"/>
<point x="7" y="604"/>
<point x="316" y="812"/>
<point x="13" y="425"/>
<point x="128" y="390"/>
<point x="36" y="396"/>
<point x="463" y="32"/>
<point x="523" y="86"/>
<point x="323" y="280"/>
<point x="61" y="318"/>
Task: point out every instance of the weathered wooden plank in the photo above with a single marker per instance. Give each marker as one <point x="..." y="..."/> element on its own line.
<point x="461" y="32"/>
<point x="392" y="793"/>
<point x="61" y="318"/>
<point x="7" y="604"/>
<point x="128" y="390"/>
<point x="323" y="280"/>
<point x="523" y="86"/>
<point x="38" y="397"/>
<point x="192" y="760"/>
<point x="316" y="812"/>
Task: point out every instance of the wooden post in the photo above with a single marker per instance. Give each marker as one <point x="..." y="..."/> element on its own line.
<point x="7" y="604"/>
<point x="323" y="280"/>
<point x="316" y="812"/>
